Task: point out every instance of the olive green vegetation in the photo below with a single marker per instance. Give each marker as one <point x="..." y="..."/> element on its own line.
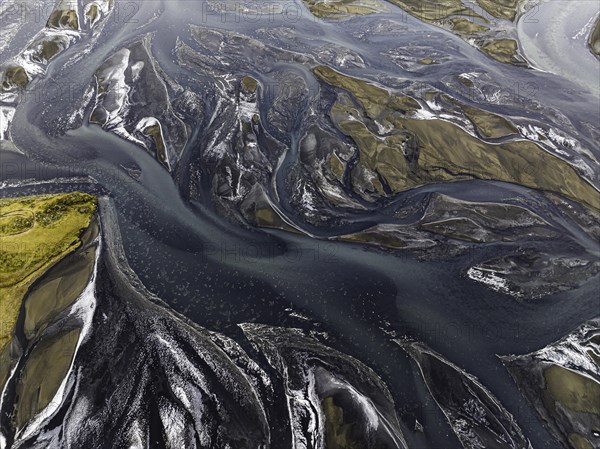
<point x="343" y="8"/>
<point x="267" y="217"/>
<point x="63" y="19"/>
<point x="432" y="11"/>
<point x="463" y="21"/>
<point x="15" y="222"/>
<point x="594" y="41"/>
<point x="42" y="52"/>
<point x="46" y="50"/>
<point x="578" y="441"/>
<point x="259" y="212"/>
<point x="502" y="50"/>
<point x="435" y="10"/>
<point x="17" y="77"/>
<point x="35" y="233"/>
<point x="488" y="124"/>
<point x="14" y="76"/>
<point x="375" y="100"/>
<point x="502" y="9"/>
<point x="155" y="133"/>
<point x="46" y="367"/>
<point x="49" y="50"/>
<point x="61" y="285"/>
<point x="92" y="13"/>
<point x="417" y="152"/>
<point x="462" y="26"/>
<point x="336" y="431"/>
<point x="336" y="166"/>
<point x="572" y="390"/>
<point x="455" y="15"/>
<point x="339" y="433"/>
<point x="249" y="84"/>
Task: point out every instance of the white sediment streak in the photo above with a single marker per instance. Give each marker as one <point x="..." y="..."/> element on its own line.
<point x="114" y="100"/>
<point x="6" y="116"/>
<point x="492" y="280"/>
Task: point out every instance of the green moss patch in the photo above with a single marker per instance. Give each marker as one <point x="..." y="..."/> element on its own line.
<point x="35" y="233"/>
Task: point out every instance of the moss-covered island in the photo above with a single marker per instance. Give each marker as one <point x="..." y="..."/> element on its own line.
<point x="483" y="23"/>
<point x="35" y="233"/>
<point x="417" y="152"/>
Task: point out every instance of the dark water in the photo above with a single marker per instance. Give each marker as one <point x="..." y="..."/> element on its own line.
<point x="219" y="275"/>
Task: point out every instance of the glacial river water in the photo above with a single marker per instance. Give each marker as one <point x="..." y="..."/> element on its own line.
<point x="554" y="37"/>
<point x="218" y="274"/>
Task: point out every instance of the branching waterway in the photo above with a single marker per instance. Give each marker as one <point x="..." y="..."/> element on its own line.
<point x="358" y="299"/>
